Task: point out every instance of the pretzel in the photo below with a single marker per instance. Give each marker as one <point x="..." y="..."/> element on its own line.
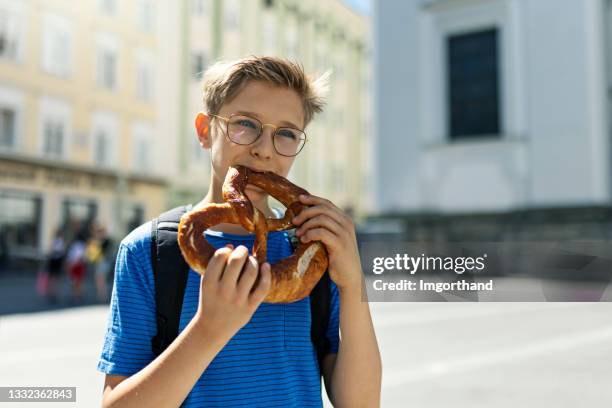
<point x="293" y="278"/>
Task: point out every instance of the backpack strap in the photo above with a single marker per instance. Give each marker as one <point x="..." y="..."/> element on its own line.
<point x="320" y="310"/>
<point x="170" y="273"/>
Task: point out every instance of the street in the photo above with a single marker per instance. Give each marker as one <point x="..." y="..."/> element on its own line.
<point x="434" y="354"/>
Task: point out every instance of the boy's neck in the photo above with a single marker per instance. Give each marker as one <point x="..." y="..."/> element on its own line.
<point x="214" y="195"/>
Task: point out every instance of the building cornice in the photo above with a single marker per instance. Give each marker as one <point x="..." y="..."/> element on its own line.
<point x="80" y="168"/>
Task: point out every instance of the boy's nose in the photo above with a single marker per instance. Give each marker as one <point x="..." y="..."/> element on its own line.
<point x="263" y="146"/>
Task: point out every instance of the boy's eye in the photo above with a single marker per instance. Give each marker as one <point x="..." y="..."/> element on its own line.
<point x="288" y="133"/>
<point x="246" y="123"/>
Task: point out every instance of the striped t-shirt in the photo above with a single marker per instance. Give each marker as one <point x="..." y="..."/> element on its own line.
<point x="269" y="362"/>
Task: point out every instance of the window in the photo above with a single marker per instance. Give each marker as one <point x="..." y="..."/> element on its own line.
<point x="198" y="65"/>
<point x="7" y="128"/>
<point x="291" y="37"/>
<point x="146" y="16"/>
<point x="101" y="147"/>
<point x="105" y="133"/>
<point x="11" y="30"/>
<point x="20" y="220"/>
<point x="144" y="87"/>
<point x="473" y="84"/>
<point x="107" y="60"/>
<point x="11" y="118"/>
<point x="269" y="32"/>
<point x="142" y="141"/>
<point x="232" y="14"/>
<point x="78" y="214"/>
<point x="135" y="216"/>
<point x="53" y="138"/>
<point x="322" y="57"/>
<point x="108" y="6"/>
<point x="200" y="7"/>
<point x="142" y="155"/>
<point x="145" y="80"/>
<point x="107" y="69"/>
<point x="57" y="45"/>
<point x="55" y="128"/>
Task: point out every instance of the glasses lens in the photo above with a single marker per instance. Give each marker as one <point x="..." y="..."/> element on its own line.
<point x="243" y="130"/>
<point x="288" y="141"/>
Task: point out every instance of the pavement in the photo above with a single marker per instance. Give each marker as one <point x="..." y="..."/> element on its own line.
<point x="18" y="294"/>
<point x="455" y="354"/>
<point x="435" y="355"/>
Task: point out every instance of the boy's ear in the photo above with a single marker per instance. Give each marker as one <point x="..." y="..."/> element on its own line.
<point x="202" y="122"/>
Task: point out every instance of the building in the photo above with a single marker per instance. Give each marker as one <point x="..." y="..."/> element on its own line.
<point x="492" y="118"/>
<point x="322" y="36"/>
<point x="98" y="99"/>
<point x="82" y="115"/>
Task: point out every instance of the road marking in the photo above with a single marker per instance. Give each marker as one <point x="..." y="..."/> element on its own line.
<point x="394" y="378"/>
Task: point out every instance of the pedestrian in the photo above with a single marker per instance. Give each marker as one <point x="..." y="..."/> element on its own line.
<point x="55" y="264"/>
<point x="76" y="266"/>
<point x="102" y="262"/>
<point x="4" y="251"/>
<point x="233" y="349"/>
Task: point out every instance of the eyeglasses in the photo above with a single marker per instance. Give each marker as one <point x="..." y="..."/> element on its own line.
<point x="245" y="130"/>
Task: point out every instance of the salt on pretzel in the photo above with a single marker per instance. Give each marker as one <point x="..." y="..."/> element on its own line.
<point x="293" y="278"/>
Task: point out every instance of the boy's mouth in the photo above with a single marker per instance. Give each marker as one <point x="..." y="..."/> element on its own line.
<point x="256" y="169"/>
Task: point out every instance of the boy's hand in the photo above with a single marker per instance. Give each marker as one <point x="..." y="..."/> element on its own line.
<point x="325" y="222"/>
<point x="228" y="296"/>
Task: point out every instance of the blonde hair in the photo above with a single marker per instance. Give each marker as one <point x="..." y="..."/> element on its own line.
<point x="224" y="80"/>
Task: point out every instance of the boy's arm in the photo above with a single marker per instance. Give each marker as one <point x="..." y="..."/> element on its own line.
<point x="167" y="380"/>
<point x="355" y="380"/>
<point x="228" y="299"/>
<point x="356" y="371"/>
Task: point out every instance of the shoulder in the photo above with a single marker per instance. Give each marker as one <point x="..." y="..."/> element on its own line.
<point x="139" y="239"/>
<point x="133" y="268"/>
<point x="134" y="256"/>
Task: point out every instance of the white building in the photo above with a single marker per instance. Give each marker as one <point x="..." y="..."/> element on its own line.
<point x="491" y="106"/>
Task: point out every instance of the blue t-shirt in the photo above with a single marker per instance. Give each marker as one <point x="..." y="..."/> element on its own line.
<point x="269" y="362"/>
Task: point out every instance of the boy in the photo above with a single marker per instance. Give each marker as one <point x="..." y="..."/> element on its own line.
<point x="234" y="350"/>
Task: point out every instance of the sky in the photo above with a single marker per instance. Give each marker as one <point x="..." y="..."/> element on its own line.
<point x="362" y="6"/>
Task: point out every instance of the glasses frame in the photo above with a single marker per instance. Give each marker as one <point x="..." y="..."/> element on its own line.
<point x="261" y="128"/>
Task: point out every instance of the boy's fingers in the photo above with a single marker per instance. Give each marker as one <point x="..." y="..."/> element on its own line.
<point x="311" y="199"/>
<point x="318" y="205"/>
<point x="216" y="265"/>
<point x="320" y="221"/>
<point x="263" y="287"/>
<point x="235" y="262"/>
<point x="248" y="277"/>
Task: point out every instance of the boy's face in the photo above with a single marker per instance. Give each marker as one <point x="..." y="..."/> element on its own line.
<point x="271" y="105"/>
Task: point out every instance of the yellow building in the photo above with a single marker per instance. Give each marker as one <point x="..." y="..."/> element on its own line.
<point x="98" y="97"/>
<point x="322" y="35"/>
<point x="82" y="116"/>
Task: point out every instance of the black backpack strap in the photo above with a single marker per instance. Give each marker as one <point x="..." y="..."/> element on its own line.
<point x="170" y="273"/>
<point x="320" y="310"/>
